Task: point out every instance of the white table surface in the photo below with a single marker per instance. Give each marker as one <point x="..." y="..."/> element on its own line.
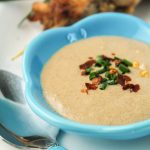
<point x="13" y="39"/>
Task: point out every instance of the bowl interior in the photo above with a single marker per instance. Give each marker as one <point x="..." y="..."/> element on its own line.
<point x="49" y="42"/>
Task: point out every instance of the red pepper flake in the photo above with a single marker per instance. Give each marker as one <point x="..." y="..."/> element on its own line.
<point x="97" y="80"/>
<point x="90" y="86"/>
<point x="87" y="64"/>
<point x="132" y="87"/>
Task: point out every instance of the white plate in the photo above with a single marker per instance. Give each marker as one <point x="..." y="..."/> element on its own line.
<point x="13" y="39"/>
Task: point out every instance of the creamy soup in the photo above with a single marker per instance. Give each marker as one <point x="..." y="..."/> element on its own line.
<point x="64" y="86"/>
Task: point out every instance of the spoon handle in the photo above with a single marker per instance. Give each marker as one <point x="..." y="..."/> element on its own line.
<point x="56" y="148"/>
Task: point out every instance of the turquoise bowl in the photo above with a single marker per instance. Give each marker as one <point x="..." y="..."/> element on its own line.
<point x="45" y="45"/>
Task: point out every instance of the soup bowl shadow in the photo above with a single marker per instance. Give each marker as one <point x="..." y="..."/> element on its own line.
<point x="49" y="42"/>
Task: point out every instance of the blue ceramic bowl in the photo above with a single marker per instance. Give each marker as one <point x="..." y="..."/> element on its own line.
<point x="49" y="42"/>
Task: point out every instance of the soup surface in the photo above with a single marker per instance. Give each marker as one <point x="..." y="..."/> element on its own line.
<point x="62" y="83"/>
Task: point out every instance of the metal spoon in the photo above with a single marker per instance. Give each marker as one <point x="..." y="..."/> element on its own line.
<point x="32" y="142"/>
<point x="27" y="142"/>
<point x="12" y="89"/>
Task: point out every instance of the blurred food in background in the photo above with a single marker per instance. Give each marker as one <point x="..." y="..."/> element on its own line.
<point x="56" y="13"/>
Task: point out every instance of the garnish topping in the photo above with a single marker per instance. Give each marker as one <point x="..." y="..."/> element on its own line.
<point x="85" y="90"/>
<point x="144" y="73"/>
<point x="97" y="80"/>
<point x="124" y="69"/>
<point x="106" y="71"/>
<point x="136" y="64"/>
<point x="90" y="86"/>
<point x="132" y="87"/>
<point x="87" y="64"/>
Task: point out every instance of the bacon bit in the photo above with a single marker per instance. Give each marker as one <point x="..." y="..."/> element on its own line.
<point x="136" y="88"/>
<point x="113" y="54"/>
<point x="107" y="58"/>
<point x="83" y="73"/>
<point x="117" y="62"/>
<point x="132" y="87"/>
<point x="97" y="80"/>
<point x="84" y="91"/>
<point x="87" y="64"/>
<point x="127" y="86"/>
<point x="122" y="79"/>
<point x="90" y="86"/>
<point x="127" y="78"/>
<point x="90" y="57"/>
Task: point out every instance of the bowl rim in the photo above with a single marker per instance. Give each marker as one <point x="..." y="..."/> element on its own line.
<point x="60" y="121"/>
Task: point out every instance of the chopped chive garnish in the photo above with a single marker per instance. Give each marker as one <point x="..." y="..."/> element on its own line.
<point x="100" y="61"/>
<point x="111" y="82"/>
<point x="98" y="65"/>
<point x="99" y="57"/>
<point x="107" y="63"/>
<point x="120" y="72"/>
<point x="113" y="76"/>
<point x="104" y="80"/>
<point x="107" y="75"/>
<point x="110" y="76"/>
<point x="126" y="62"/>
<point x="103" y="70"/>
<point x="117" y="58"/>
<point x="123" y="68"/>
<point x="103" y="85"/>
<point x="93" y="75"/>
<point x="88" y="70"/>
